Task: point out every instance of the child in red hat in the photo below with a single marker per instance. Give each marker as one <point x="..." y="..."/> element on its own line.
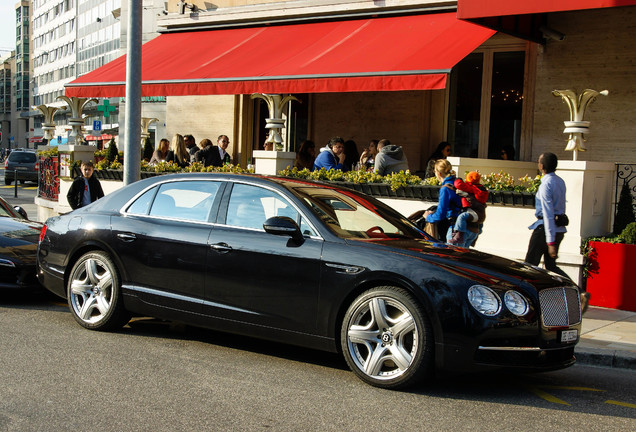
<point x="471" y="219"/>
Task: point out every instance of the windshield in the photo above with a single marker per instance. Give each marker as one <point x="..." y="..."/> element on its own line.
<point x="22" y="157"/>
<point x="4" y="210"/>
<point x="353" y="216"/>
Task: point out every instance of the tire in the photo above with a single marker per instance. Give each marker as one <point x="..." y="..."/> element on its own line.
<point x="6" y="180"/>
<point x="387" y="339"/>
<point x="94" y="293"/>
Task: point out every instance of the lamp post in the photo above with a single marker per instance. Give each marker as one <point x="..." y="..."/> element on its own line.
<point x="76" y="121"/>
<point x="576" y="127"/>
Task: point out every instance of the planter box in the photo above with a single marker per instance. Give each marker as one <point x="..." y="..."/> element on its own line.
<point x="611" y="282"/>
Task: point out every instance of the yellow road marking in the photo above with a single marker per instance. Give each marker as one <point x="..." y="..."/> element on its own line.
<point x="537" y="391"/>
<point x="624" y="404"/>
<point x="546" y="396"/>
<point x="551" y="387"/>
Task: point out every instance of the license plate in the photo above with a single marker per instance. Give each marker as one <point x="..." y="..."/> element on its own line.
<point x="569" y="335"/>
<point x="21" y="168"/>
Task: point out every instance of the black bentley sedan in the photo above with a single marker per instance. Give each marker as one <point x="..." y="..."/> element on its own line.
<point x="309" y="264"/>
<point x="18" y="247"/>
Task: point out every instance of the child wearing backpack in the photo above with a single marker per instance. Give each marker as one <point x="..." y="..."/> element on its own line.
<point x="470" y="221"/>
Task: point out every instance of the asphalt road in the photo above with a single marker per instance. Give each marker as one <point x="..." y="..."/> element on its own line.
<point x="158" y="376"/>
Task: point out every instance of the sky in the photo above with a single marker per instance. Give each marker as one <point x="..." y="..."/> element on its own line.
<point x="7" y="26"/>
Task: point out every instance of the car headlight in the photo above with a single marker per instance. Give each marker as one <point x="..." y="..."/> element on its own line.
<point x="516" y="303"/>
<point x="484" y="300"/>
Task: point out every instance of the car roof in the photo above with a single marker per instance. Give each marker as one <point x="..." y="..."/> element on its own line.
<point x="116" y="200"/>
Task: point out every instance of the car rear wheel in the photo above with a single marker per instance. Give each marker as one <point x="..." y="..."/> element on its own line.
<point x="94" y="293"/>
<point x="6" y="180"/>
<point x="386" y="338"/>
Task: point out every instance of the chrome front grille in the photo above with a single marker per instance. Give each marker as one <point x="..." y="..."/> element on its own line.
<point x="560" y="307"/>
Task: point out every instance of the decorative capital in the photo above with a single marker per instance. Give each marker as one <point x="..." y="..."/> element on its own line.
<point x="577" y="127"/>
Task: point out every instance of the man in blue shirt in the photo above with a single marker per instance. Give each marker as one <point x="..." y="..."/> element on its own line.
<point x="332" y="156"/>
<point x="550" y="202"/>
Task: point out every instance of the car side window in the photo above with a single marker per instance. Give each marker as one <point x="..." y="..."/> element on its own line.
<point x="250" y="206"/>
<point x="184" y="200"/>
<point x="142" y="203"/>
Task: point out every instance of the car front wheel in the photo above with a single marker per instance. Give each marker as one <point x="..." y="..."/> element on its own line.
<point x="94" y="293"/>
<point x="386" y="338"/>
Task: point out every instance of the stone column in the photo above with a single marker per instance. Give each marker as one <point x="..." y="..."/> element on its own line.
<point x="576" y="127"/>
<point x="272" y="162"/>
<point x="76" y="121"/>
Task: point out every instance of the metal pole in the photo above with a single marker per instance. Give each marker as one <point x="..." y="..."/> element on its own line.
<point x="15" y="183"/>
<point x="132" y="150"/>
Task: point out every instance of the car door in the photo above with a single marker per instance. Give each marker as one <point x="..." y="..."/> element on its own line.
<point x="161" y="238"/>
<point x="261" y="278"/>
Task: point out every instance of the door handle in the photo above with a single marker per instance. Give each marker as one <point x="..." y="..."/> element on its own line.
<point x="127" y="237"/>
<point x="221" y="247"/>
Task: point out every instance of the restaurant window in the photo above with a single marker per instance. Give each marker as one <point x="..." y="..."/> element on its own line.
<point x="485" y="104"/>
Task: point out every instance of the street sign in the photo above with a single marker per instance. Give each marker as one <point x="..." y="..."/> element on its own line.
<point x="97" y="125"/>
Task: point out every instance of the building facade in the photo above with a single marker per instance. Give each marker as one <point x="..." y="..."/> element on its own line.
<point x="16" y="85"/>
<point x="500" y="95"/>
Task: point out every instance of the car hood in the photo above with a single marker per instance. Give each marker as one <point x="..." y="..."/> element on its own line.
<point x="470" y="263"/>
<point x="19" y="239"/>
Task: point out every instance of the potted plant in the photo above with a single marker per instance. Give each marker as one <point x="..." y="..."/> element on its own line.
<point x="608" y="275"/>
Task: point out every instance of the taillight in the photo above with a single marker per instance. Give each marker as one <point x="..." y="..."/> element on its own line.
<point x="37" y="166"/>
<point x="42" y="234"/>
<point x="6" y="164"/>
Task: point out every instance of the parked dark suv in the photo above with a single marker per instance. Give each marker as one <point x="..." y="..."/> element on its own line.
<point x="26" y="165"/>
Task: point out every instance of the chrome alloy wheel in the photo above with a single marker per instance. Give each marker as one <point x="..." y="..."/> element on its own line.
<point x="91" y="290"/>
<point x="382" y="338"/>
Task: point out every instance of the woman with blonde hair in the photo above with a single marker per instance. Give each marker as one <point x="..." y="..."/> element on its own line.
<point x="178" y="152"/>
<point x="449" y="203"/>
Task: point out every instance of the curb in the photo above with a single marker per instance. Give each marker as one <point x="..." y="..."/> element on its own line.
<point x="606" y="358"/>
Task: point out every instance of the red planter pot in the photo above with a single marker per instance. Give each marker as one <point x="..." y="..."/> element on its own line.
<point x="612" y="275"/>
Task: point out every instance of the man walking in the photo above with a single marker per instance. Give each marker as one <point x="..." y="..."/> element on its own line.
<point x="549" y="228"/>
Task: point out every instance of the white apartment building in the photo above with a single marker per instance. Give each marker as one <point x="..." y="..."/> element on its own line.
<point x="15" y="84"/>
<point x="73" y="37"/>
<point x="70" y="38"/>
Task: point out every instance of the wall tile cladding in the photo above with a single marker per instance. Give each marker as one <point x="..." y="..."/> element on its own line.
<point x="598" y="53"/>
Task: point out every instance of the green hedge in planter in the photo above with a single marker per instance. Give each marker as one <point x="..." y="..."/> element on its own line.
<point x="502" y="186"/>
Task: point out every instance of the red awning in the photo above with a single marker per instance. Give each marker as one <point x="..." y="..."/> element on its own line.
<point x="468" y="9"/>
<point x="378" y="54"/>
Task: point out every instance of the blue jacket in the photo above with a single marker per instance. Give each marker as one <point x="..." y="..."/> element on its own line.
<point x="326" y="159"/>
<point x="449" y="203"/>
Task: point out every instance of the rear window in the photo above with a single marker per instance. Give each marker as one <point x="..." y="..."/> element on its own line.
<point x="22" y="157"/>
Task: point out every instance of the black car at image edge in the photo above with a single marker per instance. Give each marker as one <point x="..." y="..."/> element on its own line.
<point x="18" y="248"/>
<point x="309" y="264"/>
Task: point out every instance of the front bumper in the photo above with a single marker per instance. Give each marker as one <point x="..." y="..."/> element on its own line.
<point x="543" y="340"/>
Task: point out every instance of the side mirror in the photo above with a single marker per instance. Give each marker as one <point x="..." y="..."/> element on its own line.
<point x="21" y="211"/>
<point x="283" y="226"/>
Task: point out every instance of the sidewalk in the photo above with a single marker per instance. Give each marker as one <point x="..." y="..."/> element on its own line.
<point x="608" y="338"/>
<point x="28" y="204"/>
